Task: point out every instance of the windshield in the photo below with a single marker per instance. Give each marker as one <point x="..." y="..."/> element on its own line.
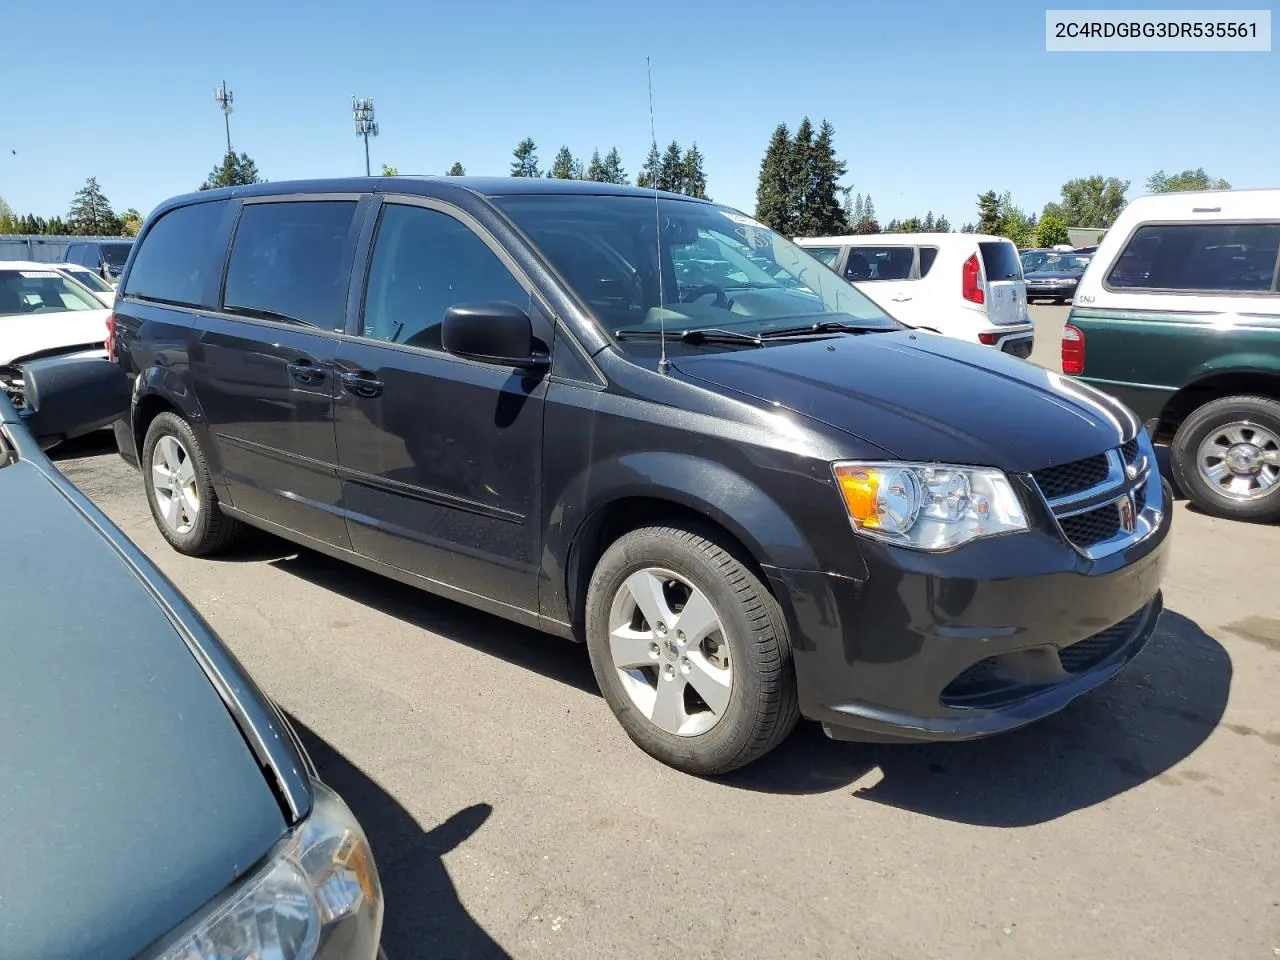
<point x="25" y="292"/>
<point x="115" y="254"/>
<point x="1063" y="263"/>
<point x="89" y="279"/>
<point x="719" y="268"/>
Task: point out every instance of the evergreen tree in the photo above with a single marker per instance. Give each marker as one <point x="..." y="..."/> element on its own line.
<point x="866" y="227"/>
<point x="822" y="215"/>
<point x="775" y="198"/>
<point x="649" y="173"/>
<point x="968" y="228"/>
<point x="90" y="214"/>
<point x="869" y="208"/>
<point x="989" y="214"/>
<point x="56" y="227"/>
<point x="389" y="171"/>
<point x="457" y="170"/>
<point x="928" y="226"/>
<point x="595" y="169"/>
<point x="895" y="226"/>
<point x="7" y="217"/>
<point x="233" y="171"/>
<point x="526" y="159"/>
<point x="859" y="211"/>
<point x="942" y="225"/>
<point x="130" y="223"/>
<point x="912" y="225"/>
<point x="695" y="178"/>
<point x="671" y="169"/>
<point x="563" y="166"/>
<point x="800" y="176"/>
<point x="613" y="171"/>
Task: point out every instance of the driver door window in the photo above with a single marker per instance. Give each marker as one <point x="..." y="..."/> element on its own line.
<point x="425" y="261"/>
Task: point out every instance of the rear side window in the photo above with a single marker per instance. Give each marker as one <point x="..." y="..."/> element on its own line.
<point x="1200" y="257"/>
<point x="880" y="263"/>
<point x="826" y="254"/>
<point x="176" y="257"/>
<point x="1000" y="260"/>
<point x="927" y="256"/>
<point x="287" y="261"/>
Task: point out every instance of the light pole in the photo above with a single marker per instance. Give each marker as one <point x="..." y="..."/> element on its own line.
<point x="366" y="126"/>
<point x="224" y="98"/>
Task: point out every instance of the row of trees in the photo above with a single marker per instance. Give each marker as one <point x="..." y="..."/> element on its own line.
<point x="90" y="215"/>
<point x="677" y="169"/>
<point x="799" y="192"/>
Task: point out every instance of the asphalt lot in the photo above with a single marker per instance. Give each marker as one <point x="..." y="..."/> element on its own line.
<point x="511" y="816"/>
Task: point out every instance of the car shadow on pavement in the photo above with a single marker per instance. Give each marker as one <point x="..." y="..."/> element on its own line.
<point x="423" y="917"/>
<point x="95" y="444"/>
<point x="1152" y="716"/>
<point x="552" y="657"/>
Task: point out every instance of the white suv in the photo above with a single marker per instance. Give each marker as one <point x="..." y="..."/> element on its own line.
<point x="963" y="285"/>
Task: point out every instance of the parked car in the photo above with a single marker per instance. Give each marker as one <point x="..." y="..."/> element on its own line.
<point x="1056" y="277"/>
<point x="44" y="313"/>
<point x="1180" y="315"/>
<point x="1031" y="259"/>
<point x="752" y="493"/>
<point x="963" y="285"/>
<point x="83" y="275"/>
<point x="156" y="803"/>
<point x="104" y="257"/>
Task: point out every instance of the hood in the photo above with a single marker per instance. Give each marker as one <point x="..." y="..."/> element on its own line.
<point x="27" y="334"/>
<point x="129" y="796"/>
<point x="924" y="397"/>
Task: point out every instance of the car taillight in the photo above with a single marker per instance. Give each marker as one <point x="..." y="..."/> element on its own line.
<point x="1072" y="350"/>
<point x="989" y="339"/>
<point x="111" y="337"/>
<point x="971" y="289"/>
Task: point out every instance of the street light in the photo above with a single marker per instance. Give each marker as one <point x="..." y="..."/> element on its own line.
<point x="366" y="126"/>
<point x="224" y="98"/>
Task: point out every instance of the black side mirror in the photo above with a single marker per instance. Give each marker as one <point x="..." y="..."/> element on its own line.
<point x="67" y="397"/>
<point x="494" y="332"/>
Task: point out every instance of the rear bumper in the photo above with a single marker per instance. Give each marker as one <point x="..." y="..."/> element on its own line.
<point x="967" y="644"/>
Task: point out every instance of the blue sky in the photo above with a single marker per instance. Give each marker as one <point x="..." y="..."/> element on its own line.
<point x="932" y="102"/>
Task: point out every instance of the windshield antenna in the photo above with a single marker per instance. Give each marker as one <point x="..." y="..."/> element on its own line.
<point x="663" y="365"/>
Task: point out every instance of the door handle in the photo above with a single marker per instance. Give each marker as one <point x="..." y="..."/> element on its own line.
<point x="304" y="371"/>
<point x="362" y="383"/>
<point x="900" y="299"/>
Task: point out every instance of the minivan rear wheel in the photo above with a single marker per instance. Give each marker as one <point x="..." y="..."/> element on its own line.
<point x="180" y="490"/>
<point x="1226" y="457"/>
<point x="690" y="650"/>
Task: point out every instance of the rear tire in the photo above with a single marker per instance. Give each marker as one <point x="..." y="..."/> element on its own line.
<point x="706" y="701"/>
<point x="1226" y="458"/>
<point x="180" y="490"/>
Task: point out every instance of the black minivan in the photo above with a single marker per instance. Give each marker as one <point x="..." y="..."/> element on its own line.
<point x="652" y="424"/>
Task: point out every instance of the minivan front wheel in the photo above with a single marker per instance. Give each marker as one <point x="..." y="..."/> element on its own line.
<point x="690" y="651"/>
<point x="180" y="490"/>
<point x="1226" y="456"/>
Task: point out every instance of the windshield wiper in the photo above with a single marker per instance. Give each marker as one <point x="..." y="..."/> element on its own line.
<point x="701" y="335"/>
<point x="825" y="326"/>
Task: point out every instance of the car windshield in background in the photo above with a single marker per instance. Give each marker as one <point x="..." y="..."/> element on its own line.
<point x="719" y="268"/>
<point x="116" y="254"/>
<point x="90" y="280"/>
<point x="1000" y="260"/>
<point x="24" y="292"/>
<point x="1062" y="263"/>
<point x="1031" y="259"/>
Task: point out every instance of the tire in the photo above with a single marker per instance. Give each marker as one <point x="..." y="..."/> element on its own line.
<point x="207" y="529"/>
<point x="1217" y="426"/>
<point x="760" y="708"/>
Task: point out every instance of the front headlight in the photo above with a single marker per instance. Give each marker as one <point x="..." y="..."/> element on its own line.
<point x="928" y="506"/>
<point x="321" y="878"/>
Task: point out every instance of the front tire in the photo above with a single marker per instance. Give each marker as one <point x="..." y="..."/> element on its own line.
<point x="690" y="650"/>
<point x="180" y="489"/>
<point x="1226" y="458"/>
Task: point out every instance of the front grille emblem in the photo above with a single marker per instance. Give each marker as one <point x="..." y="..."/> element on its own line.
<point x="1128" y="514"/>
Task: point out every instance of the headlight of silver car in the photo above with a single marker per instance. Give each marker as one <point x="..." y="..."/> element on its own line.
<point x="320" y="878"/>
<point x="928" y="506"/>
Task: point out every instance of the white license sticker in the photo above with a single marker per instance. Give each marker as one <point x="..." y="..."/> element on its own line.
<point x="38" y="274"/>
<point x="740" y="218"/>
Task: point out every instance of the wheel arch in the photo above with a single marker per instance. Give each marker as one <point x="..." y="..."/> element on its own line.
<point x="1215" y="385"/>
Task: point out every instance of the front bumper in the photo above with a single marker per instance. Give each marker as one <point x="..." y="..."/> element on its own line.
<point x="1051" y="291"/>
<point x="970" y="643"/>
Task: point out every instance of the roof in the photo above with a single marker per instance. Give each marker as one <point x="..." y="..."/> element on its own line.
<point x="1213" y="204"/>
<point x="903" y="239"/>
<point x="28" y="265"/>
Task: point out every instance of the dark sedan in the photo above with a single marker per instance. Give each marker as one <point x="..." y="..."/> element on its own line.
<point x="154" y="803"/>
<point x="1056" y="277"/>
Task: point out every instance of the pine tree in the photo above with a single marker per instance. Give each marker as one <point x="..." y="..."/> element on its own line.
<point x="613" y="171"/>
<point x="895" y="226"/>
<point x="90" y="214"/>
<point x="928" y="226"/>
<point x="799" y="174"/>
<point x="968" y="228"/>
<point x="595" y="169"/>
<point x="775" y="206"/>
<point x="457" y="170"/>
<point x="56" y="227"/>
<point x="671" y="169"/>
<point x="820" y="213"/>
<point x="912" y="225"/>
<point x="562" y="167"/>
<point x="859" y="211"/>
<point x="649" y="173"/>
<point x="869" y="209"/>
<point x="233" y="171"/>
<point x="695" y="178"/>
<point x="989" y="215"/>
<point x="526" y="159"/>
<point x="942" y="225"/>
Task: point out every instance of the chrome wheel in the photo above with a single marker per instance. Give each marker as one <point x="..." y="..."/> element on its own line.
<point x="173" y="479"/>
<point x="669" y="648"/>
<point x="1240" y="460"/>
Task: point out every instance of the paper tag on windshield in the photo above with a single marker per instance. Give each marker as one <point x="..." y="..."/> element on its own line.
<point x="740" y="218"/>
<point x="38" y="274"/>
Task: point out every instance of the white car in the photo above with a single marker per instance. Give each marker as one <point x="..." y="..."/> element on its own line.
<point x="97" y="286"/>
<point x="44" y="313"/>
<point x="963" y="285"/>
